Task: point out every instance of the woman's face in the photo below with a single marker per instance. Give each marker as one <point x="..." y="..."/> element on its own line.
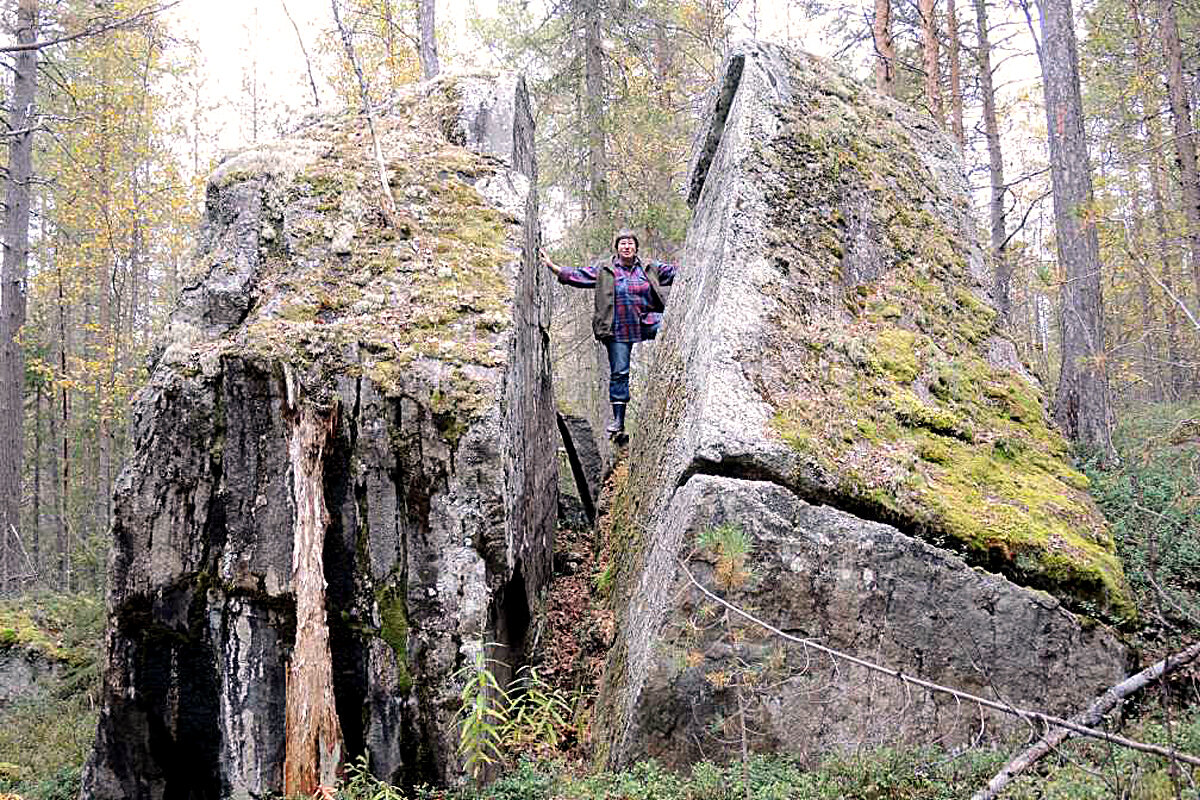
<point x="626" y="248"/>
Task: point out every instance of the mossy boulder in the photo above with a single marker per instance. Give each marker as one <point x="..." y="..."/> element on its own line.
<point x="831" y="377"/>
<point x="421" y="340"/>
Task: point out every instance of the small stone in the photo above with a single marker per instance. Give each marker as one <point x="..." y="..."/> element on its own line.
<point x="342" y="238"/>
<point x="445" y="273"/>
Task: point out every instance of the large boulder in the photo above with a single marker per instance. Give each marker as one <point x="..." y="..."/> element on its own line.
<point x="382" y="382"/>
<point x="839" y="439"/>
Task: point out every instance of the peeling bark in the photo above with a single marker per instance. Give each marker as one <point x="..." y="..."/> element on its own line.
<point x="314" y="735"/>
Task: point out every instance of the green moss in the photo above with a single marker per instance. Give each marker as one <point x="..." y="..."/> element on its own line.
<point x="913" y="412"/>
<point x="447" y="416"/>
<point x="437" y="285"/>
<point x="896" y="354"/>
<point x="935" y="449"/>
<point x="18" y="629"/>
<point x="393" y="618"/>
<point x="881" y="382"/>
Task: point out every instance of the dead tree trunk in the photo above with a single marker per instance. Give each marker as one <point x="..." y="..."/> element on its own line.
<point x="1081" y="404"/>
<point x="313" y="751"/>
<point x="1089" y="717"/>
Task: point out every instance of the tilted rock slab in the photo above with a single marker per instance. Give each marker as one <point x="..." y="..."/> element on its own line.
<point x="839" y="441"/>
<point x="418" y="346"/>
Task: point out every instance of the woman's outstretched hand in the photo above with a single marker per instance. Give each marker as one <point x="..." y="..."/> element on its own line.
<point x="549" y="264"/>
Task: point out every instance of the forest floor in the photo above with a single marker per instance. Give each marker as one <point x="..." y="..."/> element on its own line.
<point x="1152" y="502"/>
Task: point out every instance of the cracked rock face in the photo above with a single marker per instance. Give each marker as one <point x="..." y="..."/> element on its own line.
<point x="424" y="340"/>
<point x="838" y="439"/>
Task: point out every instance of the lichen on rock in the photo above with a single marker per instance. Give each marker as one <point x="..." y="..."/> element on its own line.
<point x="831" y="380"/>
<point x="885" y="356"/>
<point x="423" y="344"/>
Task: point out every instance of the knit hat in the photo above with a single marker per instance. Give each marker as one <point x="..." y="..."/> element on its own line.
<point x="626" y="233"/>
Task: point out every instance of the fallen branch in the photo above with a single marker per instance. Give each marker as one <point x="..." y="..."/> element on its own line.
<point x="1026" y="714"/>
<point x="1089" y="716"/>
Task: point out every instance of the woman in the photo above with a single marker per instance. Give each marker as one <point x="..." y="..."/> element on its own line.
<point x="629" y="304"/>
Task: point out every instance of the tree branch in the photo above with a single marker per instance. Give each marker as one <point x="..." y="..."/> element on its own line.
<point x="1026" y="714"/>
<point x="1090" y="716"/>
<point x="104" y="28"/>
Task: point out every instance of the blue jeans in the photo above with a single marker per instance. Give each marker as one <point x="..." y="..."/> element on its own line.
<point x="618" y="370"/>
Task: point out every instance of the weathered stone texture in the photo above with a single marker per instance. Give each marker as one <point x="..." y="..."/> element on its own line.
<point x="23" y="672"/>
<point x="427" y="342"/>
<point x="830" y="382"/>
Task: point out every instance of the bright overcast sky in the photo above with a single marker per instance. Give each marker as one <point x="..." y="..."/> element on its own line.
<point x="224" y="30"/>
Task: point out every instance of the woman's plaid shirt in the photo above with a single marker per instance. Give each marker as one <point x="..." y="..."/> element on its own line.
<point x="633" y="321"/>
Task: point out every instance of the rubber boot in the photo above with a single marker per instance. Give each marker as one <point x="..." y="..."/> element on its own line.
<point x="618" y="423"/>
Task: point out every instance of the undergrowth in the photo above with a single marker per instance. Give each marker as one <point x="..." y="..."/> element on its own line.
<point x="47" y="732"/>
<point x="1083" y="770"/>
<point x="1152" y="502"/>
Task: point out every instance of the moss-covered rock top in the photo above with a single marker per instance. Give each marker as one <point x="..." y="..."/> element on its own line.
<point x="885" y="363"/>
<point x="62" y="628"/>
<point x="297" y="243"/>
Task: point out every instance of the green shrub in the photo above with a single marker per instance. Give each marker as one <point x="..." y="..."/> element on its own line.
<point x="1152" y="503"/>
<point x="45" y="737"/>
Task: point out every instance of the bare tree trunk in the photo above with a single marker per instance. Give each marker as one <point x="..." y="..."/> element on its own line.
<point x="312" y="82"/>
<point x="1001" y="269"/>
<point x="929" y="49"/>
<point x="388" y="201"/>
<point x="956" y="95"/>
<point x="1185" y="145"/>
<point x="885" y="49"/>
<point x="13" y="271"/>
<point x="428" y="49"/>
<point x="64" y="476"/>
<point x="313" y="749"/>
<point x="53" y="557"/>
<point x="107" y="334"/>
<point x="1177" y="386"/>
<point x="1151" y="383"/>
<point x="1081" y="403"/>
<point x="35" y="534"/>
<point x="593" y="59"/>
<point x="1171" y="379"/>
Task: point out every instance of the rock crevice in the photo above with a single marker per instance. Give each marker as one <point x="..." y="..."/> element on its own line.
<point x="845" y="440"/>
<point x="438" y="475"/>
